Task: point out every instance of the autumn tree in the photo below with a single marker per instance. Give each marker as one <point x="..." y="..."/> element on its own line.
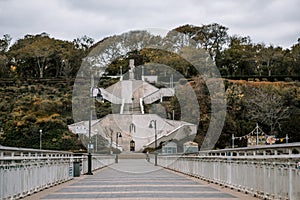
<point x="266" y="106"/>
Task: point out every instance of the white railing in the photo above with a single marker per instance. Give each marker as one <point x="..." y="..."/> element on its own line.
<point x="142" y="106"/>
<point x="99" y="161"/>
<point x="265" y="176"/>
<point x="110" y="97"/>
<point x="25" y="171"/>
<point x="178" y="133"/>
<point x="163" y="92"/>
<point x="122" y="106"/>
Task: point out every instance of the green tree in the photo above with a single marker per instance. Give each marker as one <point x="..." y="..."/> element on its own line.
<point x="238" y="58"/>
<point x="295" y="58"/>
<point x="83" y="43"/>
<point x="270" y="58"/>
<point x="212" y="37"/>
<point x="41" y="56"/>
<point x="4" y="45"/>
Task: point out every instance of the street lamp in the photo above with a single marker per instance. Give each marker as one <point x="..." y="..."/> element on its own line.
<point x="155" y="139"/>
<point x="132" y="130"/>
<point x="41" y="132"/>
<point x="89" y="172"/>
<point x="117" y="145"/>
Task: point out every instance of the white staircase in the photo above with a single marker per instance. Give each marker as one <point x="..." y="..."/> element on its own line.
<point x="158" y="95"/>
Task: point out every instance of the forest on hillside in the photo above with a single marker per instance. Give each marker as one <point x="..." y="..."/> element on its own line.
<point x="30" y="101"/>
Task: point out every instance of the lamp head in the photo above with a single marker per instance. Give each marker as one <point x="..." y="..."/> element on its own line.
<point x="150" y="125"/>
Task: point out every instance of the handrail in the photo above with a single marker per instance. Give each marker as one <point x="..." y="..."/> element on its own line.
<point x="110" y="97"/>
<point x="142" y="106"/>
<point x="20" y="149"/>
<point x="255" y="149"/>
<point x="266" y="177"/>
<point x="24" y="171"/>
<point x="162" y="136"/>
<point x="122" y="106"/>
<point x="161" y="92"/>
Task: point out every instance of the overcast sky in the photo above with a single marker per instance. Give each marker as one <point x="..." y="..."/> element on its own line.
<point x="274" y="22"/>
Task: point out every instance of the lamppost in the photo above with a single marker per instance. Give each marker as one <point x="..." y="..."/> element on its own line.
<point x="41" y="132"/>
<point x="155" y="139"/>
<point x="132" y="130"/>
<point x="91" y="96"/>
<point x="89" y="172"/>
<point x="117" y="145"/>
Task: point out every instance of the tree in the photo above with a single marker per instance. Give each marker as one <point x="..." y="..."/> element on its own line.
<point x="266" y="106"/>
<point x="31" y="54"/>
<point x="238" y="58"/>
<point x="211" y="37"/>
<point x="269" y="57"/>
<point x="4" y="44"/>
<point x="295" y="59"/>
<point x="83" y="43"/>
<point x="41" y="56"/>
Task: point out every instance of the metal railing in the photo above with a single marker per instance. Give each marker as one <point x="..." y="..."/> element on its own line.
<point x="26" y="171"/>
<point x="266" y="176"/>
<point x="158" y="94"/>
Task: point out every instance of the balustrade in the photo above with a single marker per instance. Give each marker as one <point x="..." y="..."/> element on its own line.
<point x="265" y="175"/>
<point x="26" y="171"/>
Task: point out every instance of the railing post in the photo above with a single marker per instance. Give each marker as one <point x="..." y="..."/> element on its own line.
<point x="89" y="164"/>
<point x="290" y="171"/>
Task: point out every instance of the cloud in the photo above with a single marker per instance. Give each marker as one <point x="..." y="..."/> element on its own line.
<point x="269" y="21"/>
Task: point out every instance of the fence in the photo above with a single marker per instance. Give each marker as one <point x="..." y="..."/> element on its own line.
<point x="264" y="176"/>
<point x="26" y="171"/>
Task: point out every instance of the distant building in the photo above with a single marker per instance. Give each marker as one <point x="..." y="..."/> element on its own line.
<point x="169" y="148"/>
<point x="190" y="147"/>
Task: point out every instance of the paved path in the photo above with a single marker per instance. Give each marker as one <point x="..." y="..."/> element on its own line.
<point x="138" y="179"/>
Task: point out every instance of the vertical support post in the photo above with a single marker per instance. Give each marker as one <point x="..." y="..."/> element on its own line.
<point x="96" y="145"/>
<point x="121" y="73"/>
<point x="111" y="140"/>
<point x="155" y="163"/>
<point x="41" y="133"/>
<point x="90" y="127"/>
<point x="117" y="145"/>
<point x="172" y="81"/>
<point x="290" y="180"/>
<point x="232" y="140"/>
<point x="173" y="115"/>
<point x="155" y="139"/>
<point x="256" y="133"/>
<point x="143" y="79"/>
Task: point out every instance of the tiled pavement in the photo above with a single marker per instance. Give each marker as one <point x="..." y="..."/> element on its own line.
<point x="138" y="179"/>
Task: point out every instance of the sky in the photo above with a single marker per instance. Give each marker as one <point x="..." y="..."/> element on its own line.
<point x="275" y="22"/>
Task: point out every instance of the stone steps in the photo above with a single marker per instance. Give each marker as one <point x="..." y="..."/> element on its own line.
<point x="131" y="155"/>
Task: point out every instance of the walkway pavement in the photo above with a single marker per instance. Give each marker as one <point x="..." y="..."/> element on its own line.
<point x="138" y="179"/>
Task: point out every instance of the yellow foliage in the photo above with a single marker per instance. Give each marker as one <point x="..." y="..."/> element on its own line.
<point x="47" y="118"/>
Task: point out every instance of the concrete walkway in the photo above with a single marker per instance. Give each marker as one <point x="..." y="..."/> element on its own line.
<point x="138" y="179"/>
